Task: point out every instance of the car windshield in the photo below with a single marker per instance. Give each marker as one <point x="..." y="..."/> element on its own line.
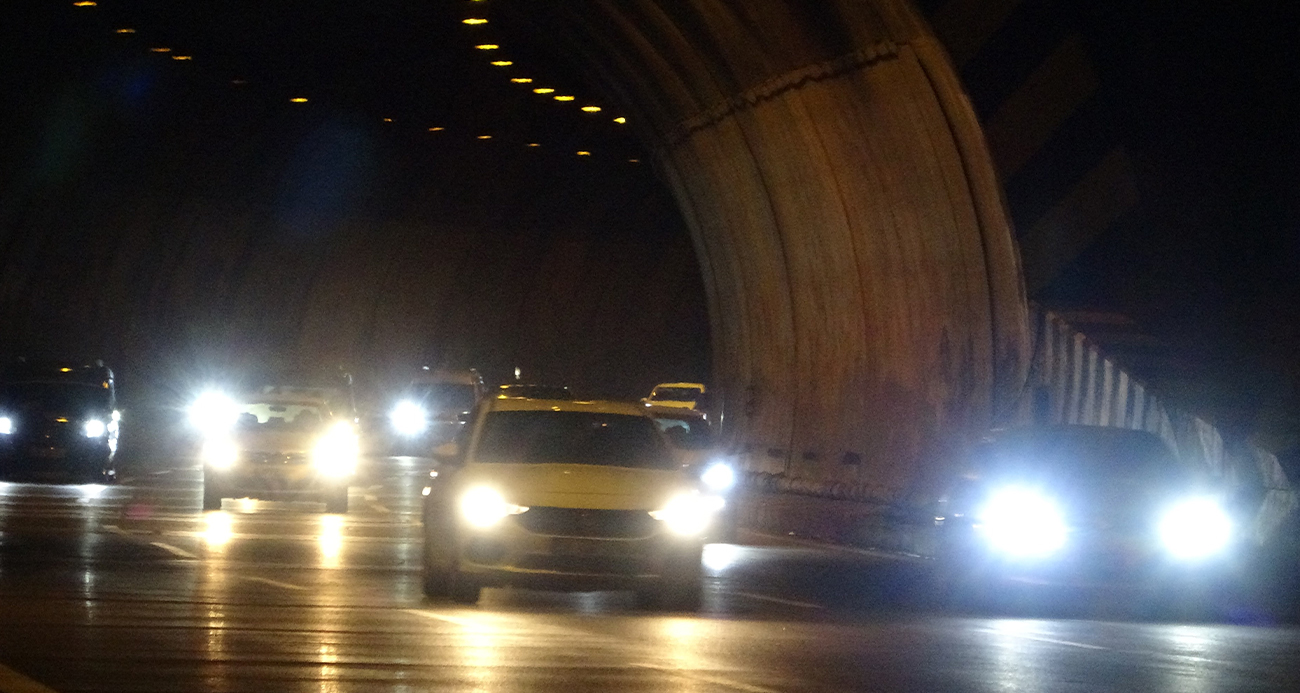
<point x="280" y="415"/>
<point x="685" y="433"/>
<point x="675" y="394"/>
<point x="457" y="397"/>
<point x="54" y="396"/>
<point x="1086" y="454"/>
<point x="572" y="437"/>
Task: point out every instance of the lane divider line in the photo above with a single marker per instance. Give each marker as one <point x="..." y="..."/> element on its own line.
<point x="1039" y="638"/>
<point x="778" y="600"/>
<point x="273" y="583"/>
<point x="445" y="619"/>
<point x="14" y="682"/>
<point x="174" y="550"/>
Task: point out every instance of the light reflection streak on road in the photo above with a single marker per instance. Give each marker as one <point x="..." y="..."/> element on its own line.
<point x="330" y="540"/>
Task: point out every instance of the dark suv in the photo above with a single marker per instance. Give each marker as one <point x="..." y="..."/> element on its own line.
<point x="58" y="422"/>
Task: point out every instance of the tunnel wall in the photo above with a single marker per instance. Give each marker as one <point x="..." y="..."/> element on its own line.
<point x="862" y="276"/>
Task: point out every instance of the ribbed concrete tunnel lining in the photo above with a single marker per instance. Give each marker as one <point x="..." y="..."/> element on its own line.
<point x="860" y="266"/>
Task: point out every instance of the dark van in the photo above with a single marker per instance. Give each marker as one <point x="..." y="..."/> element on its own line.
<point x="58" y="422"/>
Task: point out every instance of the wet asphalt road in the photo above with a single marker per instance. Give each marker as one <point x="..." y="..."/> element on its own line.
<point x="131" y="588"/>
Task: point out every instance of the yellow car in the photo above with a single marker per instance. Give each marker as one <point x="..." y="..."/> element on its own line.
<point x="556" y="494"/>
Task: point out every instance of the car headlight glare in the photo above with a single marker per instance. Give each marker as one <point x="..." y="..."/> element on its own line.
<point x="6" y="426"/>
<point x="484" y="507"/>
<point x="1023" y="523"/>
<point x="219" y="453"/>
<point x="409" y="418"/>
<point x="94" y="428"/>
<point x="336" y="452"/>
<point x="719" y="476"/>
<point x="689" y="514"/>
<point x="1195" y="528"/>
<point x="213" y="412"/>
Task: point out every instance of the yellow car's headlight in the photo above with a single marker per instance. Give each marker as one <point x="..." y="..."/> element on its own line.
<point x="336" y="452"/>
<point x="483" y="507"/>
<point x="219" y="453"/>
<point x="689" y="514"/>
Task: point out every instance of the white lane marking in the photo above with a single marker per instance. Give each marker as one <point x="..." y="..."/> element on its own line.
<point x="1039" y="638"/>
<point x="273" y="583"/>
<point x="379" y="508"/>
<point x="778" y="600"/>
<point x="14" y="682"/>
<point x="709" y="678"/>
<point x="173" y="549"/>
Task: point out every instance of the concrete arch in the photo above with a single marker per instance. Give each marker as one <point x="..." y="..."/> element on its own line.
<point x="862" y="275"/>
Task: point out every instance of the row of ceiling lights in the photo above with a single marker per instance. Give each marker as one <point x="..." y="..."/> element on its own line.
<point x="470" y="21"/>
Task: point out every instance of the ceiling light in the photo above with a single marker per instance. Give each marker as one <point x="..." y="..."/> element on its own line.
<point x="564" y="98"/>
<point x="620" y="120"/>
<point x="543" y="90"/>
<point x="485" y="137"/>
<point x="125" y="30"/>
<point x="634" y="161"/>
<point x="533" y="144"/>
<point x="160" y="49"/>
<point x="474" y="21"/>
<point x="299" y="99"/>
<point x="503" y="63"/>
<point x="388" y="120"/>
<point x="583" y="153"/>
<point x="591" y="109"/>
<point x="182" y="57"/>
<point x="84" y="3"/>
<point x="487" y="46"/>
<point x="436" y="129"/>
<point x="521" y="80"/>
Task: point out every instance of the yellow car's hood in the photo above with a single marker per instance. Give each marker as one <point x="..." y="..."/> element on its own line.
<point x="586" y="486"/>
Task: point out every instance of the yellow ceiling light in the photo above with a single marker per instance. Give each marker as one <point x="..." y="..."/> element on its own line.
<point x="503" y="63"/>
<point x="160" y="49"/>
<point x="521" y="80"/>
<point x="474" y="21"/>
<point x="583" y="153"/>
<point x="564" y="98"/>
<point x="182" y="57"/>
<point x="84" y="3"/>
<point x="299" y="99"/>
<point x="543" y="90"/>
<point x="591" y="109"/>
<point x="388" y="120"/>
<point x="634" y="161"/>
<point x="487" y="46"/>
<point x="485" y="137"/>
<point x="124" y="30"/>
<point x="436" y="129"/>
<point x="620" y="120"/>
<point x="533" y="144"/>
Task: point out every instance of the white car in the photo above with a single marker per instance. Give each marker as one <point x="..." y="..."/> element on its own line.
<point x="679" y="395"/>
<point x="565" y="495"/>
<point x="278" y="447"/>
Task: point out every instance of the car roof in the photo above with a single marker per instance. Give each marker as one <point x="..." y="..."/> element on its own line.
<point x="594" y="406"/>
<point x="692" y="386"/>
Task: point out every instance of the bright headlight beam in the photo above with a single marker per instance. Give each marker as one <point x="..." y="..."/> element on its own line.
<point x="1195" y="528"/>
<point x="6" y="425"/>
<point x="219" y="453"/>
<point x="483" y="507"/>
<point x="336" y="452"/>
<point x="94" y="428"/>
<point x="213" y="412"/>
<point x="409" y="418"/>
<point x="689" y="514"/>
<point x="719" y="476"/>
<point x="1022" y="522"/>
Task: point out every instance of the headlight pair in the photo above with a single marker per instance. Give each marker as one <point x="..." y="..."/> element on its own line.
<point x="1024" y="523"/>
